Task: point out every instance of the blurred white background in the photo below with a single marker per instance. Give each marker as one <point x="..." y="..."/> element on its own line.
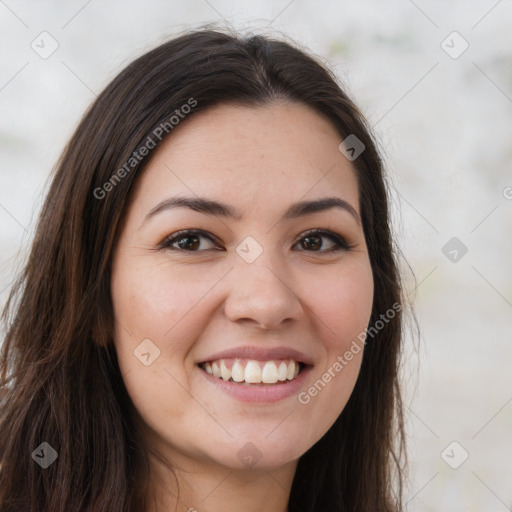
<point x="441" y="105"/>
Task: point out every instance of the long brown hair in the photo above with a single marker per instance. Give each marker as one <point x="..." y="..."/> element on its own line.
<point x="60" y="379"/>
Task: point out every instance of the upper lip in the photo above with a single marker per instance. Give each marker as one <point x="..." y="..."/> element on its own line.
<point x="260" y="354"/>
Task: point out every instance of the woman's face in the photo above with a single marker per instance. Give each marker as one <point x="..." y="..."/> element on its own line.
<point x="251" y="293"/>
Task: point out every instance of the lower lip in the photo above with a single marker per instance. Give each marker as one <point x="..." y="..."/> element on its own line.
<point x="256" y="393"/>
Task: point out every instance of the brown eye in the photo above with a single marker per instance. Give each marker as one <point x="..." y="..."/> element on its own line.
<point x="187" y="240"/>
<point x="313" y="241"/>
<point x="188" y="243"/>
<point x="190" y="240"/>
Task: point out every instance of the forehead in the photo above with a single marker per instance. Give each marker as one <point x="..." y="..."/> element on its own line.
<point x="278" y="153"/>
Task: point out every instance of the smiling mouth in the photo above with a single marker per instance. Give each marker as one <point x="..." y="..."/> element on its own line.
<point x="251" y="371"/>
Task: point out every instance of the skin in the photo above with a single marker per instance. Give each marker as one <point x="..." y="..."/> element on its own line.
<point x="192" y="304"/>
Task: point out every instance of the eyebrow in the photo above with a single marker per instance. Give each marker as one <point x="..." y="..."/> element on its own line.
<point x="219" y="209"/>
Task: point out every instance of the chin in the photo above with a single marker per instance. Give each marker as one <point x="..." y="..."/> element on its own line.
<point x="258" y="452"/>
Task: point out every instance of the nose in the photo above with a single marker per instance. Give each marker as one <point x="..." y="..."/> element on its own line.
<point x="262" y="294"/>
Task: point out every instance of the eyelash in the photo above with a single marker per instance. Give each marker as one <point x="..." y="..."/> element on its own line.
<point x="341" y="243"/>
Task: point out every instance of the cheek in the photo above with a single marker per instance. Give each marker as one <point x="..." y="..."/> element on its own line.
<point x="156" y="303"/>
<point x="150" y="302"/>
<point x="343" y="303"/>
<point x="151" y="305"/>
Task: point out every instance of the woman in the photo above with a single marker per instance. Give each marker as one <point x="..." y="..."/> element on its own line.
<point x="210" y="317"/>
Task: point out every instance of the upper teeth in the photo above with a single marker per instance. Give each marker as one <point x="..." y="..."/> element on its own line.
<point x="253" y="372"/>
